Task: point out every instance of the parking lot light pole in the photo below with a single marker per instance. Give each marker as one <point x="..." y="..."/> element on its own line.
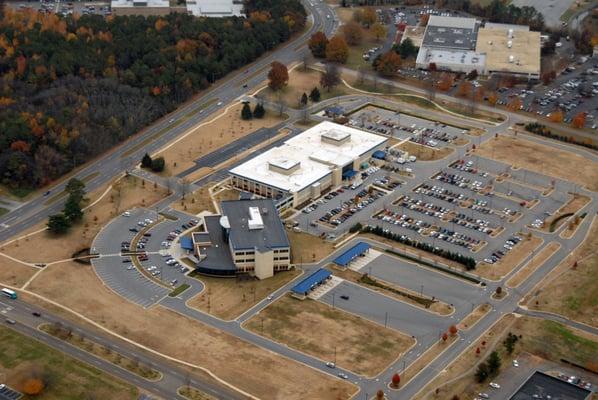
<point x="422" y="291"/>
<point x="333" y="295"/>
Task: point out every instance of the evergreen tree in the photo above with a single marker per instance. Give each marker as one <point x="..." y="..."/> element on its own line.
<point x="494" y="362"/>
<point x="304" y="99"/>
<point x="246" y="112"/>
<point x="146" y="161"/>
<point x="315" y="95"/>
<point x="58" y="223"/>
<point x="259" y="111"/>
<point x="72" y="209"/>
<point x="158" y="164"/>
<point x="76" y="189"/>
<point x="482" y="372"/>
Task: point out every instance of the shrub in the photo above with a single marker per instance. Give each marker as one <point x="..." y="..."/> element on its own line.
<point x="158" y="164"/>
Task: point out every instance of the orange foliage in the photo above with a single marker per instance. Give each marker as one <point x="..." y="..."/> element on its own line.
<point x="465" y="89"/>
<point x="105" y="36"/>
<point x="40" y="70"/>
<point x="423" y="21"/>
<point x="556" y="116"/>
<point x="21" y="65"/>
<point x="6" y="101"/>
<point x="515" y="104"/>
<point x="156" y="91"/>
<point x="160" y="24"/>
<point x="33" y="386"/>
<point x="579" y="120"/>
<point x="259" y="16"/>
<point x="492" y="98"/>
<point x="186" y="46"/>
<point x="446" y="81"/>
<point x="20" y="145"/>
<point x="337" y="50"/>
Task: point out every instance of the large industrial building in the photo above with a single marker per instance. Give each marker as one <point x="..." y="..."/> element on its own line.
<point x="307" y="164"/>
<point x="461" y="45"/>
<point x="199" y="8"/>
<point x="247" y="238"/>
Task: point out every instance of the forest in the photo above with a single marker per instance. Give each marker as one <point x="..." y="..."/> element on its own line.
<point x="73" y="87"/>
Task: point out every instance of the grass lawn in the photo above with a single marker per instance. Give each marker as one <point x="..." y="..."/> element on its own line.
<point x="168" y="332"/>
<point x="573" y="292"/>
<point x="194" y="394"/>
<point x="306" y="248"/>
<point x="543" y="159"/>
<point x="472" y="318"/>
<point x="3" y="211"/>
<point x="531" y="266"/>
<point x="68" y="379"/>
<point x="179" y="290"/>
<point x="14" y="273"/>
<point x="575" y="203"/>
<point x="361" y="346"/>
<point x="126" y="193"/>
<point x="207" y="137"/>
<point x="227" y="298"/>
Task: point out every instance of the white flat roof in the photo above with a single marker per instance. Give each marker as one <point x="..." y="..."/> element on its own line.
<point x="131" y="3"/>
<point x="452" y="22"/>
<point x="215" y="8"/>
<point x="451" y="57"/>
<point x="317" y="158"/>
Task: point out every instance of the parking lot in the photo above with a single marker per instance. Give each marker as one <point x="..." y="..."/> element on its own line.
<point x="65" y="8"/>
<point x="7" y="393"/>
<point x="142" y="234"/>
<point x="404" y="126"/>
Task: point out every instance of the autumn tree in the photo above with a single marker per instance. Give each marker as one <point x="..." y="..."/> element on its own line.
<point x="33" y="386"/>
<point x="396" y="380"/>
<point x="556" y="116"/>
<point x="380" y="395"/>
<point x="515" y="104"/>
<point x="453" y="330"/>
<point x="317" y="44"/>
<point x="464" y="89"/>
<point x="278" y="77"/>
<point x="352" y="33"/>
<point x="492" y="98"/>
<point x="331" y="77"/>
<point x="423" y="21"/>
<point x="444" y="336"/>
<point x="337" y="50"/>
<point x="445" y="82"/>
<point x="579" y="120"/>
<point x="388" y="64"/>
<point x="369" y="17"/>
<point x="379" y="31"/>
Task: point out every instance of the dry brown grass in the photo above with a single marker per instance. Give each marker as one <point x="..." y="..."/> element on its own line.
<point x="361" y="346"/>
<point x="272" y="376"/>
<point x="13" y="273"/>
<point x="306" y="248"/>
<point x="426" y="358"/>
<point x="125" y="194"/>
<point x="472" y="318"/>
<point x="354" y="276"/>
<point x="227" y="298"/>
<point x="511" y="260"/>
<point x="425" y="153"/>
<point x="531" y="266"/>
<point x="573" y="292"/>
<point x="542" y="159"/>
<point x="575" y="203"/>
<point x="196" y="202"/>
<point x="207" y="138"/>
<point x="466" y="363"/>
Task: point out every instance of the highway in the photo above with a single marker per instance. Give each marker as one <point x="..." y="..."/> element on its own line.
<point x="128" y="154"/>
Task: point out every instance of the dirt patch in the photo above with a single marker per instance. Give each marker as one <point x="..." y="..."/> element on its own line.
<point x="408" y="297"/>
<point x="542" y="159"/>
<point x="573" y="292"/>
<point x="425" y="153"/>
<point x="206" y="138"/>
<point x="196" y="202"/>
<point x="361" y="346"/>
<point x="126" y="193"/>
<point x="306" y="248"/>
<point x="13" y="273"/>
<point x="272" y="376"/>
<point x="532" y="265"/>
<point x="472" y="318"/>
<point x="511" y="260"/>
<point x="227" y="298"/>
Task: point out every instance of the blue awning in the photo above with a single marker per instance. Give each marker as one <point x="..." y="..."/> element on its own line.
<point x="311" y="281"/>
<point x="379" y="154"/>
<point x="344" y="259"/>
<point x="349" y="174"/>
<point x="186" y="243"/>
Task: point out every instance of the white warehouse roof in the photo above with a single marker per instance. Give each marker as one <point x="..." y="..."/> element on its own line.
<point x="313" y="154"/>
<point x="452" y="22"/>
<point x="215" y="8"/>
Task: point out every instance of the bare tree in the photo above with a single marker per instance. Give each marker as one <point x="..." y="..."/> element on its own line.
<point x="280" y="104"/>
<point x="305" y="114"/>
<point x="185" y="187"/>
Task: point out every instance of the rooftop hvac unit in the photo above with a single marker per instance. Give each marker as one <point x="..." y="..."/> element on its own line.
<point x="490" y="42"/>
<point x="510" y="34"/>
<point x="510" y="44"/>
<point x="511" y="59"/>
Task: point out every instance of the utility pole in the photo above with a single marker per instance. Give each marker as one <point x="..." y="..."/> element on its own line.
<point x="386" y="319"/>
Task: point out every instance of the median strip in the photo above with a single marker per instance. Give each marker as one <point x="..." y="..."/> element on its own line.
<point x="80" y="341"/>
<point x="62" y="194"/>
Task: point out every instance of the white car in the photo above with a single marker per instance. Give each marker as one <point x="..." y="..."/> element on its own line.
<point x="270" y="297"/>
<point x="494" y="385"/>
<point x="483" y="395"/>
<point x="126" y="214"/>
<point x="515" y="363"/>
<point x="219" y="103"/>
<point x="330" y="364"/>
<point x="342" y="375"/>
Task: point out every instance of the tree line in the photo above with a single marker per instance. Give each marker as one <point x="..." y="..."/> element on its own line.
<point x="72" y="87"/>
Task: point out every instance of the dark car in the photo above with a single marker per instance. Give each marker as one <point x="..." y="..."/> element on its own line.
<point x="36" y="314"/>
<point x="345" y="297"/>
